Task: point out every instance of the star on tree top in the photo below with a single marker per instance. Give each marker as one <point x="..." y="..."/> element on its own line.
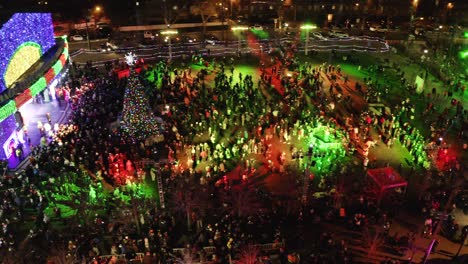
<point x="130" y="58"/>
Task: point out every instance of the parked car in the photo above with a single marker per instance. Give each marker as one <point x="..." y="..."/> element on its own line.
<point x="210" y="39"/>
<point x="149" y="35"/>
<point x="105" y="48"/>
<point x="338" y="34"/>
<point x="378" y="28"/>
<point x="256" y="27"/>
<point x="77" y="38"/>
<point x="240" y="19"/>
<point x="318" y="35"/>
<point x="186" y="40"/>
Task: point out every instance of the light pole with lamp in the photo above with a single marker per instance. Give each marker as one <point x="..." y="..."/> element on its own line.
<point x="238" y="31"/>
<point x="307" y="28"/>
<point x="168" y="34"/>
<point x="96" y="9"/>
<point x="413" y="9"/>
<point x="230" y="8"/>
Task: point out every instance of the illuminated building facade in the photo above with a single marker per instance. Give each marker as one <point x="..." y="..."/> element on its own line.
<point x="31" y="59"/>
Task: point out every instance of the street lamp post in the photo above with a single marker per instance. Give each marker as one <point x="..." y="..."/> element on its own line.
<point x="169" y="32"/>
<point x="87" y="34"/>
<point x="91" y="12"/>
<point x="414" y="7"/>
<point x="462" y="241"/>
<point x="230" y="8"/>
<point x="239" y="30"/>
<point x="307" y="28"/>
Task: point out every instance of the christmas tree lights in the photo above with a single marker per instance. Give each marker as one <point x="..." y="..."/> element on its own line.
<point x="138" y="121"/>
<point x="22" y="28"/>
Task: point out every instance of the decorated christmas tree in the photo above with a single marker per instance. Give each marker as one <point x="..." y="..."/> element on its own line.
<point x="138" y="121"/>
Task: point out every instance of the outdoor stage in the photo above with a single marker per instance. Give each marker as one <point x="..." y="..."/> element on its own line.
<point x="37" y="112"/>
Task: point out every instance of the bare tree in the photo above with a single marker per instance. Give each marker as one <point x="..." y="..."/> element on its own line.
<point x="61" y="255"/>
<point x="187" y="199"/>
<point x="9" y="256"/>
<point x="206" y="9"/>
<point x="186" y="258"/>
<point x="241" y="201"/>
<point x="373" y="239"/>
<point x="249" y="255"/>
<point x="171" y="10"/>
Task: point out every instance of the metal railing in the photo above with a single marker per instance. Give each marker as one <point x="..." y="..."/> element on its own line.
<point x="230" y="48"/>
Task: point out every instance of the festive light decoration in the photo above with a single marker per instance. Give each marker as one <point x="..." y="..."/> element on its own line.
<point x="323" y="146"/>
<point x="8" y="125"/>
<point x="308" y="27"/>
<point x="23" y="98"/>
<point x="138" y="121"/>
<point x="169" y="32"/>
<point x="38" y="86"/>
<point x="7" y="109"/>
<point x="130" y="58"/>
<point x="360" y="45"/>
<point x="49" y="75"/>
<point x="58" y="66"/>
<point x="34" y="90"/>
<point x="239" y="28"/>
<point x="25" y="56"/>
<point x="21" y="28"/>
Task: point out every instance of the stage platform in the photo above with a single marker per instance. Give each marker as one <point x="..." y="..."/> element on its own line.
<point x="32" y="113"/>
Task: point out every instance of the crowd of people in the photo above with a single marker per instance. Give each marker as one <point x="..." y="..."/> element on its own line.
<point x="225" y="134"/>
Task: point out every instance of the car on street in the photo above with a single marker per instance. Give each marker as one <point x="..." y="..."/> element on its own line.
<point x="240" y="19"/>
<point x="210" y="39"/>
<point x="318" y="35"/>
<point x="149" y="35"/>
<point x="378" y="28"/>
<point x="256" y="27"/>
<point x="77" y="38"/>
<point x="187" y="40"/>
<point x="105" y="48"/>
<point x="338" y="34"/>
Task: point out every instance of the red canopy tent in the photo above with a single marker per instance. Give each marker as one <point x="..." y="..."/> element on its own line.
<point x="386" y="179"/>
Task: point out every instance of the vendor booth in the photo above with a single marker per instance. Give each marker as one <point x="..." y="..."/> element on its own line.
<point x="385" y="180"/>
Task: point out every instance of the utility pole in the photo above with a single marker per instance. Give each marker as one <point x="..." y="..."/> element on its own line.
<point x="428" y="251"/>
<point x="456" y="186"/>
<point x="87" y="33"/>
<point x="462" y="241"/>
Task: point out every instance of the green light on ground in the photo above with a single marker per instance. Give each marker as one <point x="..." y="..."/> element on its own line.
<point x="464" y="54"/>
<point x="261" y="34"/>
<point x="326" y="144"/>
<point x="465" y="34"/>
